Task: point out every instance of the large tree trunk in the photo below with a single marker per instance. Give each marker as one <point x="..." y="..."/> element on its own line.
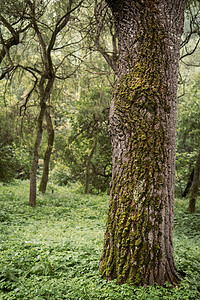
<point x="195" y="186"/>
<point x="47" y="156"/>
<point x="138" y="242"/>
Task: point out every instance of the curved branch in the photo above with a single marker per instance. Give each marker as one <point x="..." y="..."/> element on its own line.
<point x="30" y="92"/>
<point x="62" y="23"/>
<point x="190" y="53"/>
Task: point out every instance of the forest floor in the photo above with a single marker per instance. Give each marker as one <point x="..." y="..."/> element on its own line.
<point x="52" y="251"/>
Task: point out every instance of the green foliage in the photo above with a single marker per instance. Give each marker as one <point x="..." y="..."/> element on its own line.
<point x="53" y="250"/>
<point x="6" y="163"/>
<point x="15" y="146"/>
<point x="87" y="120"/>
<point x="60" y="174"/>
<point x="13" y="159"/>
<point x="188" y="132"/>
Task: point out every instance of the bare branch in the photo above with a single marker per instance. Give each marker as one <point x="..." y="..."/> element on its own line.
<point x="62" y="23"/>
<point x="39" y="35"/>
<point x="191" y="52"/>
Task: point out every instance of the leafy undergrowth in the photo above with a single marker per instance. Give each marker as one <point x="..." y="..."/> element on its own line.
<point x="53" y="250"/>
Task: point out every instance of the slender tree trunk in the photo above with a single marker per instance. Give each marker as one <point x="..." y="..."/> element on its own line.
<point x="87" y="175"/>
<point x="190" y="180"/>
<point x="33" y="174"/>
<point x="45" y="92"/>
<point x="195" y="186"/>
<point x="47" y="156"/>
<point x="138" y="242"/>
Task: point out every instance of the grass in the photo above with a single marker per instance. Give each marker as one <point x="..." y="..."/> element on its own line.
<point x="53" y="250"/>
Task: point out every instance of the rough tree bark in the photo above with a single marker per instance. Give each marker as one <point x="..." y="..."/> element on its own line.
<point x="138" y="246"/>
<point x="195" y="186"/>
<point x="48" y="152"/>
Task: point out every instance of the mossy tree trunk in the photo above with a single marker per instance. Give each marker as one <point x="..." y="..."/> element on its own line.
<point x="138" y="242"/>
<point x="48" y="152"/>
<point x="195" y="186"/>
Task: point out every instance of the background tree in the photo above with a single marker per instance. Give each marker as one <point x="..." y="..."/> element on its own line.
<point x="45" y="86"/>
<point x="195" y="185"/>
<point x="102" y="34"/>
<point x="48" y="152"/>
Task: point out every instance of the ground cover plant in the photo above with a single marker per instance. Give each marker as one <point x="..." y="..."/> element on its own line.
<point x="52" y="251"/>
